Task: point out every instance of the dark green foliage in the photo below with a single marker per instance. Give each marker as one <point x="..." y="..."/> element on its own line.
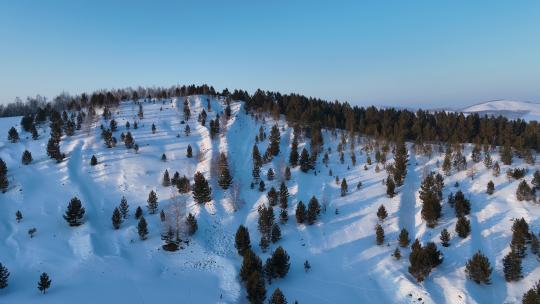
<point x="18" y="216"/>
<point x="536" y="180"/>
<point x="202" y="193"/>
<point x="520" y="235"/>
<point x="270" y="174"/>
<point x="276" y="233"/>
<point x="26" y="157"/>
<point x="266" y="220"/>
<point x="262" y="186"/>
<point x="255" y="289"/>
<point x="283" y="196"/>
<point x="272" y="196"/>
<point x="524" y="192"/>
<point x="162" y="216"/>
<point x="506" y="154"/>
<point x="224" y="178"/>
<point x="431" y="201"/>
<point x="532" y="296"/>
<point x="490" y="188"/>
<point x="4" y="182"/>
<point x="153" y="128"/>
<point x="479" y="269"/>
<point x="314" y="208"/>
<point x="166" y="181"/>
<point x="274" y="138"/>
<point x="305" y="163"/>
<point x="163" y="157"/>
<point x="300" y="212"/>
<point x="344" y="187"/>
<point x="462" y="205"/>
<point x="397" y="253"/>
<point x="242" y="240"/>
<point x="138" y="212"/>
<point x="307" y="266"/>
<point x="379" y="234"/>
<point x="44" y="282"/>
<point x="283" y="216"/>
<point x="13" y="135"/>
<point x="142" y="228"/>
<point x="53" y="150"/>
<point x="279" y="262"/>
<point x="93" y="161"/>
<point x="189" y="152"/>
<point x="4" y="276"/>
<point x="423" y="260"/>
<point x="116" y="218"/>
<point x="512" y="267"/>
<point x="277" y="297"/>
<point x="287" y="173"/>
<point x="390" y="186"/>
<point x="191" y="222"/>
<point x="381" y="213"/>
<point x="74" y="212"/>
<point x="400" y="162"/>
<point x="250" y="263"/>
<point x="152" y="202"/>
<point x="128" y="141"/>
<point x="463" y="227"/>
<point x="293" y="156"/>
<point x="124" y="207"/>
<point x="445" y="238"/>
<point x="403" y="238"/>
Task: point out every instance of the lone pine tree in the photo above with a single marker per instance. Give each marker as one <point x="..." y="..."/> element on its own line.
<point x="152" y="202"/>
<point x="490" y="188"/>
<point x="26" y="158"/>
<point x="390" y="186"/>
<point x="512" y="267"/>
<point x="166" y="181"/>
<point x="274" y="139"/>
<point x="305" y="163"/>
<point x="445" y="238"/>
<point x="479" y="269"/>
<point x="191" y="222"/>
<point x="189" y="151"/>
<point x="463" y="227"/>
<point x="138" y="212"/>
<point x="272" y="196"/>
<point x="116" y="218"/>
<point x="431" y="205"/>
<point x="277" y="297"/>
<point x="255" y="288"/>
<point x="124" y="207"/>
<point x="74" y="212"/>
<point x="201" y="190"/>
<point x="283" y="196"/>
<point x="224" y="178"/>
<point x="381" y="213"/>
<point x="242" y="240"/>
<point x="142" y="228"/>
<point x="44" y="282"/>
<point x="379" y="234"/>
<point x="93" y="161"/>
<point x="403" y="238"/>
<point x="314" y="208"/>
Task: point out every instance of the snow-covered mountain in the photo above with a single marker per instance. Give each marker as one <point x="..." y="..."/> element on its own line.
<point x="511" y="109"/>
<point x="94" y="263"/>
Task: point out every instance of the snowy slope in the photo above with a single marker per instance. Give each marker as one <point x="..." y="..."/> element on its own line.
<point x="511" y="109"/>
<point x="94" y="263"/>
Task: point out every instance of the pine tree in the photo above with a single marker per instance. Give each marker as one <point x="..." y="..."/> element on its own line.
<point x="390" y="186"/>
<point x="138" y="212"/>
<point x="447" y="163"/>
<point x="379" y="232"/>
<point x="129" y="142"/>
<point x="463" y="227"/>
<point x="4" y="276"/>
<point x="74" y="212"/>
<point x="445" y="238"/>
<point x="506" y="154"/>
<point x="400" y="163"/>
<point x="490" y="188"/>
<point x="26" y="157"/>
<point x="166" y="182"/>
<point x="277" y="297"/>
<point x="256" y="173"/>
<point x="479" y="269"/>
<point x="307" y="266"/>
<point x="314" y="208"/>
<point x="270" y="174"/>
<point x="142" y="228"/>
<point x="403" y="238"/>
<point x="153" y="128"/>
<point x="283" y="196"/>
<point x="152" y="202"/>
<point x="44" y="282"/>
<point x="191" y="222"/>
<point x="293" y="156"/>
<point x="202" y="193"/>
<point x="344" y="187"/>
<point x="242" y="240"/>
<point x="283" y="216"/>
<point x="163" y="157"/>
<point x="512" y="267"/>
<point x="264" y="243"/>
<point x="536" y="180"/>
<point x="280" y="262"/>
<point x="93" y="161"/>
<point x="124" y="207"/>
<point x="250" y="263"/>
<point x="116" y="218"/>
<point x="187" y="130"/>
<point x="488" y="162"/>
<point x="255" y="289"/>
<point x="18" y="216"/>
<point x="162" y="216"/>
<point x="13" y="135"/>
<point x="287" y="173"/>
<point x="532" y="296"/>
<point x="496" y="169"/>
<point x="305" y="164"/>
<point x="273" y="146"/>
<point x="276" y="233"/>
<point x="462" y="206"/>
<point x="189" y="152"/>
<point x="300" y="212"/>
<point x="224" y="178"/>
<point x="262" y="186"/>
<point x="524" y="192"/>
<point x="431" y="205"/>
<point x="381" y="213"/>
<point x="272" y="196"/>
<point x="4" y="182"/>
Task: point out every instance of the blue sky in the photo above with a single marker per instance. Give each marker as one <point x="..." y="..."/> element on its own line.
<point x="402" y="53"/>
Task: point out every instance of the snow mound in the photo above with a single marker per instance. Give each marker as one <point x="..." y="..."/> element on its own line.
<point x="508" y="108"/>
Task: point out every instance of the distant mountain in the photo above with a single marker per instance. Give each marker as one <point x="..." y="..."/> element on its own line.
<point x="511" y="109"/>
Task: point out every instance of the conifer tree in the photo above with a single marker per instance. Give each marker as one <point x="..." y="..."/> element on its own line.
<point x="224" y="178"/>
<point x="532" y="296"/>
<point x="280" y="262"/>
<point x="270" y="174"/>
<point x="431" y="205"/>
<point x="276" y="233"/>
<point x="524" y="192"/>
<point x="536" y="180"/>
<point x="255" y="288"/>
<point x="153" y="128"/>
<point x="277" y="297"/>
<point x="293" y="156"/>
<point x="162" y="216"/>
<point x="272" y="196"/>
<point x="463" y="227"/>
<point x="13" y="135"/>
<point x="512" y="267"/>
<point x="506" y="154"/>
<point x="264" y="243"/>
<point x="287" y="173"/>
<point x="273" y="146"/>
<point x="4" y="182"/>
<point x="152" y="202"/>
<point x="262" y="186"/>
<point x="390" y="186"/>
<point x="490" y="188"/>
<point x="4" y="276"/>
<point x="283" y="196"/>
<point x="26" y="157"/>
<point x="18" y="216"/>
<point x="462" y="206"/>
<point x="397" y="254"/>
<point x="307" y="266"/>
<point x="166" y="182"/>
<point x="44" y="282"/>
<point x="344" y="187"/>
<point x="189" y="152"/>
<point x="187" y="130"/>
<point x="314" y="208"/>
<point x="116" y="218"/>
<point x="201" y="190"/>
<point x="479" y="269"/>
<point x="488" y="162"/>
<point x="283" y="216"/>
<point x="305" y="163"/>
<point x="300" y="212"/>
<point x="242" y="240"/>
<point x="250" y="263"/>
<point x="381" y="213"/>
<point x="403" y="238"/>
<point x="445" y="238"/>
<point x="74" y="212"/>
<point x="256" y="155"/>
<point x="447" y="163"/>
<point x="191" y="222"/>
<point x="124" y="207"/>
<point x="183" y="184"/>
<point x="142" y="228"/>
<point x="93" y="161"/>
<point x="379" y="233"/>
<point x="496" y="169"/>
<point x="400" y="162"/>
<point x="128" y="141"/>
<point x="138" y="212"/>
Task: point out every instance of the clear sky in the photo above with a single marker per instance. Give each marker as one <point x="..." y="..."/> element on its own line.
<point x="402" y="53"/>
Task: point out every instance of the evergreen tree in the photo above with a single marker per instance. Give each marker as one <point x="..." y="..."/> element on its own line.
<point x="13" y="135"/>
<point x="445" y="238"/>
<point x="403" y="238"/>
<point x="189" y="152"/>
<point x="283" y="196"/>
<point x="512" y="267"/>
<point x="381" y="213"/>
<point x="166" y="182"/>
<point x="26" y="157"/>
<point x="280" y="262"/>
<point x="128" y="141"/>
<point x="400" y="163"/>
<point x="18" y="216"/>
<point x="277" y="297"/>
<point x="116" y="218"/>
<point x="162" y="216"/>
<point x="524" y="192"/>
<point x="255" y="289"/>
<point x="256" y="155"/>
<point x="307" y="266"/>
<point x="536" y="180"/>
<point x="305" y="164"/>
<point x="163" y="157"/>
<point x="44" y="282"/>
<point x="479" y="269"/>
<point x="142" y="228"/>
<point x="287" y="173"/>
<point x="187" y="130"/>
<point x="463" y="227"/>
<point x="379" y="232"/>
<point x="262" y="186"/>
<point x="202" y="193"/>
<point x="153" y="128"/>
<point x="242" y="240"/>
<point x="4" y="276"/>
<point x="397" y="254"/>
<point x="490" y="188"/>
<point x="462" y="206"/>
<point x="506" y="154"/>
<point x="344" y="187"/>
<point x="293" y="156"/>
<point x="431" y="205"/>
<point x="447" y="163"/>
<point x="93" y="161"/>
<point x="152" y="202"/>
<point x="496" y="169"/>
<point x="423" y="259"/>
<point x="224" y="178"/>
<point x="74" y="212"/>
<point x="283" y="216"/>
<point x="138" y="212"/>
<point x="264" y="243"/>
<point x="270" y="174"/>
<point x="191" y="222"/>
<point x="250" y="263"/>
<point x="532" y="296"/>
<point x="300" y="212"/>
<point x="314" y="208"/>
<point x="390" y="186"/>
<point x="4" y="182"/>
<point x="272" y="196"/>
<point x="273" y="146"/>
<point x="124" y="207"/>
<point x="488" y="162"/>
<point x="53" y="150"/>
<point x="276" y="233"/>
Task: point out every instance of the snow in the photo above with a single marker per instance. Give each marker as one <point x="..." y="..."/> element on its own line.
<point x="527" y="111"/>
<point x="94" y="263"/>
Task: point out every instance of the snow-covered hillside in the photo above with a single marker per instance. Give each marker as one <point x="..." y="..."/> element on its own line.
<point x="511" y="109"/>
<point x="94" y="263"/>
